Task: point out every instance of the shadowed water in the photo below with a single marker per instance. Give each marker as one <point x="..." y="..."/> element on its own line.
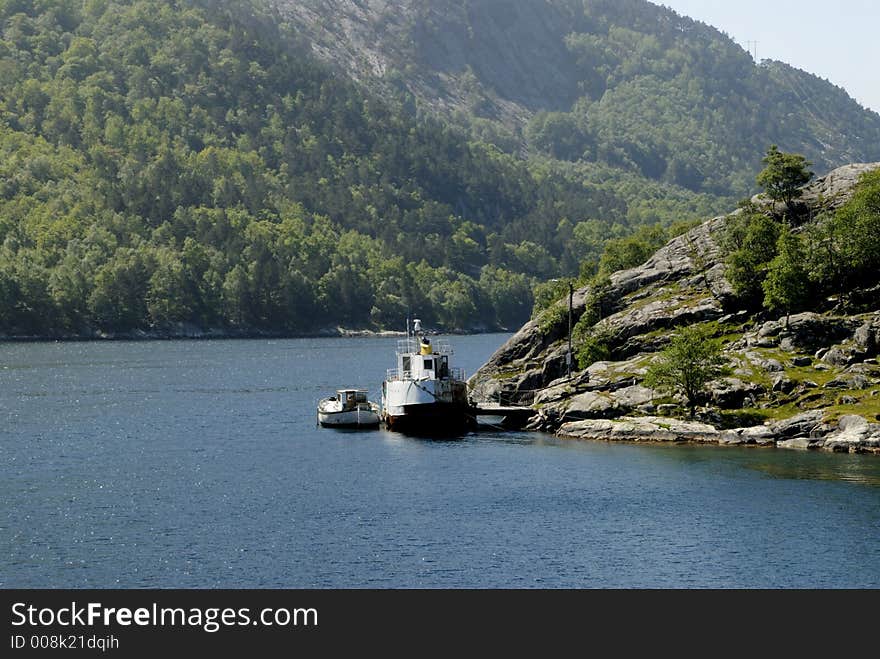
<point x="198" y="464"/>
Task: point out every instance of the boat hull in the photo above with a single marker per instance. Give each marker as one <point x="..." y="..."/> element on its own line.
<point x="437" y="419"/>
<point x="349" y="419"/>
<point x="429" y="407"/>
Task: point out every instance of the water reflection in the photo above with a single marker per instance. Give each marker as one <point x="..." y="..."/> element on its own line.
<point x="863" y="470"/>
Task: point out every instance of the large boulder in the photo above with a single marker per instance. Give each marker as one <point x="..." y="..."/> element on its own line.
<point x="640" y="429"/>
<point x="757" y="435"/>
<point x="853" y="435"/>
<point x="867" y="336"/>
<point x="801" y="425"/>
<point x="731" y="393"/>
<point x="809" y="331"/>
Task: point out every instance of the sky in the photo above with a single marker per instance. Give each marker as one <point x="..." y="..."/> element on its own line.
<point x="838" y="41"/>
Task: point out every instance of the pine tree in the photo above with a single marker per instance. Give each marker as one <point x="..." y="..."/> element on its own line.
<point x="783" y="176"/>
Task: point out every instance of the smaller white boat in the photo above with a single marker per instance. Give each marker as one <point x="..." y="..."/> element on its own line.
<point x="349" y="408"/>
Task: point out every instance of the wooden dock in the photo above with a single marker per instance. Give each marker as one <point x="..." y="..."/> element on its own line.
<point x="509" y="417"/>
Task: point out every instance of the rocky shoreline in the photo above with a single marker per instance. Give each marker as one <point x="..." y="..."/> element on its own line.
<point x="809" y="381"/>
<point x="851" y="434"/>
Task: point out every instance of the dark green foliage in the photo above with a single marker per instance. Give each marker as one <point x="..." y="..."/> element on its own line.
<point x="592" y="342"/>
<point x="750" y="239"/>
<point x="786" y="287"/>
<point x="825" y="260"/>
<point x="547" y="293"/>
<point x="592" y="346"/>
<point x="783" y="175"/>
<point x="856" y="231"/>
<point x="189" y="163"/>
<point x="640" y="88"/>
<point x="690" y="361"/>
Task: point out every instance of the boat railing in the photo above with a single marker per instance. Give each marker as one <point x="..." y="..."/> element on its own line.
<point x="412" y="345"/>
<point x="442" y="347"/>
<point x="407" y="346"/>
<point x="455" y="373"/>
<point x="394" y="374"/>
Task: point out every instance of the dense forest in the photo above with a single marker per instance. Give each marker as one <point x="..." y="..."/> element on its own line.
<point x="608" y="85"/>
<point x="186" y="163"/>
<point x="192" y="164"/>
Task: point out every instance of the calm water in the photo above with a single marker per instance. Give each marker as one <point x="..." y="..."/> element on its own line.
<point x="198" y="464"/>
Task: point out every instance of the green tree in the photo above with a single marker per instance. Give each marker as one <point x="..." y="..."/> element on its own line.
<point x="629" y="252"/>
<point x="591" y="345"/>
<point x="787" y="286"/>
<point x="783" y="176"/>
<point x="751" y="239"/>
<point x="856" y="228"/>
<point x="690" y="361"/>
<point x="118" y="300"/>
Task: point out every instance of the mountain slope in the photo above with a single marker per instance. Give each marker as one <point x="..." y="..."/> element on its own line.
<point x="625" y="83"/>
<point x="185" y="166"/>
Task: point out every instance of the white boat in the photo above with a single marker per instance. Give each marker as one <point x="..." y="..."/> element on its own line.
<point x="349" y="408"/>
<point x="425" y="394"/>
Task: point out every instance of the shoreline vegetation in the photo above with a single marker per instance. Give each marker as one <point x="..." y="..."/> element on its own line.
<point x="194" y="162"/>
<point x="198" y="334"/>
<point x="760" y="327"/>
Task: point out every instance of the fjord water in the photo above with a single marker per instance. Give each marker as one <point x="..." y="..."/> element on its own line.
<point x="198" y="464"/>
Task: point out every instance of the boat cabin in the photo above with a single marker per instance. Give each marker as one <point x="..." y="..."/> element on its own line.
<point x="351" y="397"/>
<point x="418" y="359"/>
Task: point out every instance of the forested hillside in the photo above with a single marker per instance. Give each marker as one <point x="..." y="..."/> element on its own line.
<point x="194" y="164"/>
<point x="613" y="85"/>
<point x="169" y="164"/>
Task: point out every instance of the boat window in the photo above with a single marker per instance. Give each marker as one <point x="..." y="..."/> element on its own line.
<point x="407" y="366"/>
<point x="429" y="364"/>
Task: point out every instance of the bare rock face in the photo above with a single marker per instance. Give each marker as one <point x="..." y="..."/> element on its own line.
<point x="640" y="429"/>
<point x="683" y="284"/>
<point x="694" y="252"/>
<point x="512" y="54"/>
<point x="806" y="331"/>
<point x="853" y="435"/>
<point x="836" y="187"/>
<point x="800" y="425"/>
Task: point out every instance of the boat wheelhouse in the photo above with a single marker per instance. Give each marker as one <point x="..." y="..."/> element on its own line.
<point x="425" y="394"/>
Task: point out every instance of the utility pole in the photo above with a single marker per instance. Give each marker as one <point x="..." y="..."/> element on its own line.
<point x="753" y="49"/>
<point x="570" y="305"/>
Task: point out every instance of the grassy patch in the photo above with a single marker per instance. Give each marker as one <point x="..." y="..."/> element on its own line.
<point x="744" y="418"/>
<point x="551" y="318"/>
<point x="666" y="292"/>
<point x="867" y="406"/>
<point x="507" y="375"/>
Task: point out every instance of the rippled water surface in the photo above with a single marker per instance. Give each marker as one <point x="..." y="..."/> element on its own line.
<point x="198" y="464"/>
